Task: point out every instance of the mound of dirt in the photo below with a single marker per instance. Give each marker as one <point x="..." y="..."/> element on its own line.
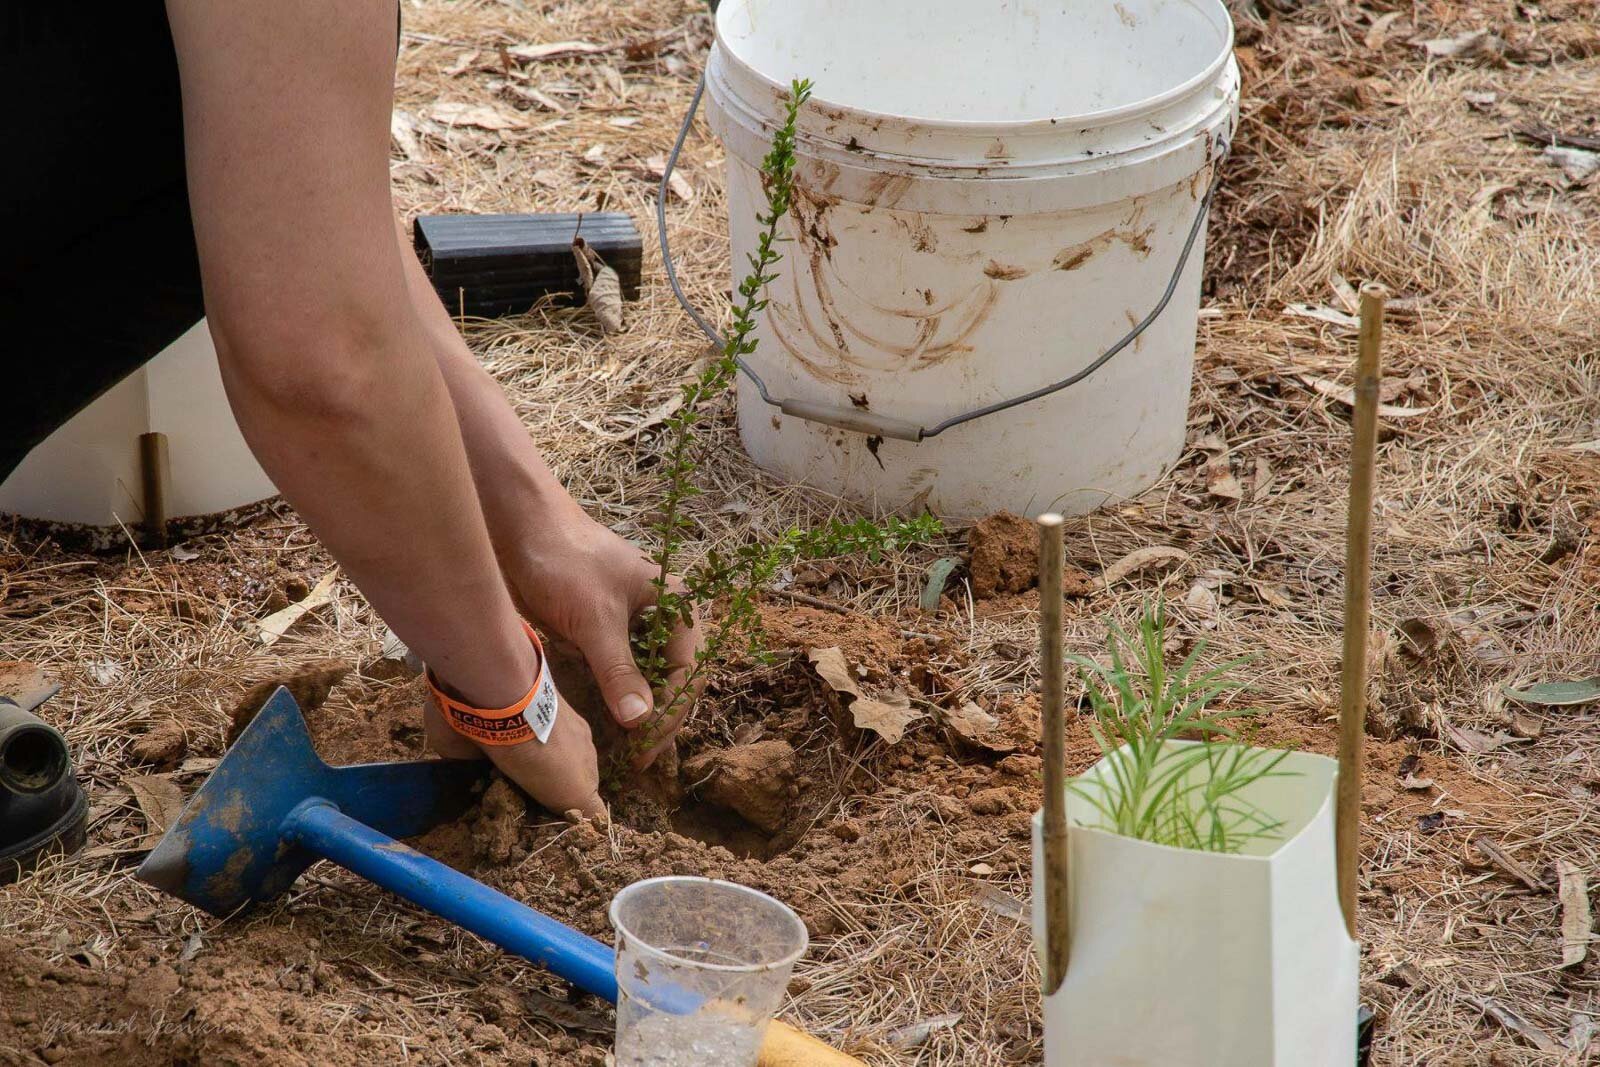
<point x="1003" y="558"/>
<point x="753" y="780"/>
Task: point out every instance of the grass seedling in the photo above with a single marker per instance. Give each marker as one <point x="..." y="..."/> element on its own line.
<point x="1155" y="789"/>
<point x="734" y="578"/>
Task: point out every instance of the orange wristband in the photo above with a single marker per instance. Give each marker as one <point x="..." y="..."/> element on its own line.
<point x="534" y="716"/>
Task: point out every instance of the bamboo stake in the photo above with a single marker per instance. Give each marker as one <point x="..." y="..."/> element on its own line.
<point x="1052" y="688"/>
<point x="1358" y="600"/>
<point x="154" y="470"/>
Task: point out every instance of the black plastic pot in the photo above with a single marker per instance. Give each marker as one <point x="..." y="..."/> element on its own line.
<point x="42" y="807"/>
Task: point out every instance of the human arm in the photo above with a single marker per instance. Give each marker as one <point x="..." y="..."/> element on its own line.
<point x="576" y="578"/>
<point x="328" y="368"/>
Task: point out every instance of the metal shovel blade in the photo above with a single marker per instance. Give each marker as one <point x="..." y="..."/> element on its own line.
<point x="228" y="851"/>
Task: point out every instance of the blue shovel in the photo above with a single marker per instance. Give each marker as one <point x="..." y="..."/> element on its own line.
<point x="272" y="808"/>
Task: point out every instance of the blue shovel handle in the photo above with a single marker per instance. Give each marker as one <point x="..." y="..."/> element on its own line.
<point x="580" y="959"/>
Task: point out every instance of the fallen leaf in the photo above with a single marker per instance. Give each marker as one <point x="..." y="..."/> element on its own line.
<point x="1000" y="902"/>
<point x="1507" y="863"/>
<point x="977" y="727"/>
<point x="534" y="96"/>
<point x="403" y="131"/>
<point x="980" y="869"/>
<point x="1321" y="313"/>
<point x="1577" y="922"/>
<point x="623" y="122"/>
<point x="1480" y="101"/>
<point x="917" y="1033"/>
<point x="278" y="623"/>
<point x="1422" y="640"/>
<point x="656" y="166"/>
<point x="1447" y="47"/>
<point x="594" y="156"/>
<point x="1410" y="782"/>
<point x="1430" y="822"/>
<point x="933" y="586"/>
<point x="1378" y="32"/>
<point x="1220" y="481"/>
<point x="1558" y="694"/>
<point x="1526" y="726"/>
<point x="160" y="800"/>
<point x="483" y="116"/>
<point x="1508" y="1018"/>
<point x="183" y="553"/>
<point x="1480" y="642"/>
<point x="1476" y="742"/>
<point x="887" y="717"/>
<point x="654" y="417"/>
<point x="1346" y="395"/>
<point x="602" y="288"/>
<point x="1580" y="1034"/>
<point x="1578" y="164"/>
<point x="1140" y="559"/>
<point x="613" y="79"/>
<point x="464" y="62"/>
<point x="1346" y="294"/>
<point x="534" y="53"/>
<point x="191" y="948"/>
<point x="1201" y="600"/>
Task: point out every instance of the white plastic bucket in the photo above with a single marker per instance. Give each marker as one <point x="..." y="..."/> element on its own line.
<point x="1183" y="958"/>
<point x="989" y="193"/>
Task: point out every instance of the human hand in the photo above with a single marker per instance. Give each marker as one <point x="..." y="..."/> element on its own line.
<point x="560" y="773"/>
<point x="580" y="582"/>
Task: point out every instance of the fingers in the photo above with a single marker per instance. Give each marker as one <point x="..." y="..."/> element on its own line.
<point x="559" y="774"/>
<point x="609" y="653"/>
<point x="681" y="651"/>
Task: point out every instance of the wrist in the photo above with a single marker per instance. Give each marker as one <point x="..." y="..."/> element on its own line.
<point x="530" y="716"/>
<point x="495" y="676"/>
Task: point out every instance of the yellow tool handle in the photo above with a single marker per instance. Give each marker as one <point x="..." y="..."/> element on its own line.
<point x="787" y="1047"/>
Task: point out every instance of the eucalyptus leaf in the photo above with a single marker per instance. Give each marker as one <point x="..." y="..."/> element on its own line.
<point x="933" y="588"/>
<point x="1558" y="694"/>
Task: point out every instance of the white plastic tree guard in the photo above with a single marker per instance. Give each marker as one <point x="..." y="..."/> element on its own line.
<point x="988" y="197"/>
<point x="1182" y="958"/>
<point x="87" y="473"/>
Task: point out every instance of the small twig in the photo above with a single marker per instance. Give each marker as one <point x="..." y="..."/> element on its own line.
<point x="1358" y="600"/>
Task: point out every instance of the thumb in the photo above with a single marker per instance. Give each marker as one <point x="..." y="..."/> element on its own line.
<point x="610" y="656"/>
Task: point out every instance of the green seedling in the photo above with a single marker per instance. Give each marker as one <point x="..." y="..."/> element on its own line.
<point x="733" y="578"/>
<point x="1186" y="796"/>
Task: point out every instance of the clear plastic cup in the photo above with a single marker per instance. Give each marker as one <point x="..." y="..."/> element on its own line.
<point x="702" y="966"/>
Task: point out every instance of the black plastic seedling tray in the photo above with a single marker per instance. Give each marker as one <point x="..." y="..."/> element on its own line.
<point x="491" y="265"/>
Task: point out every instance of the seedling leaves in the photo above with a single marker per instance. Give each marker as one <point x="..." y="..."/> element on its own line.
<point x="933" y="588"/>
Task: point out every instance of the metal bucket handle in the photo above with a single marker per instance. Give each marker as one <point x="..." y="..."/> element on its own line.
<point x="867" y="422"/>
